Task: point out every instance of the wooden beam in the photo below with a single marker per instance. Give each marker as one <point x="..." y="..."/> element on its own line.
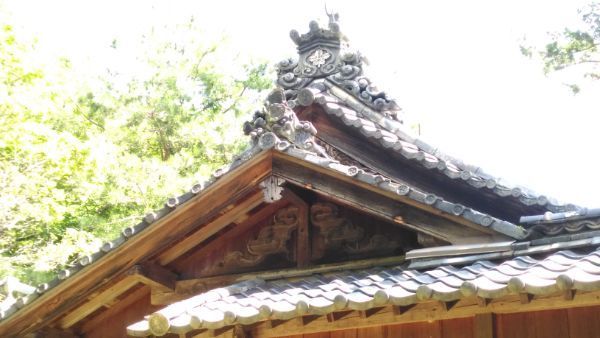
<point x="303" y="235"/>
<point x="124" y="303"/>
<point x="51" y="332"/>
<point x="186" y="217"/>
<point x="98" y="301"/>
<point x="156" y="276"/>
<point x="210" y="229"/>
<point x="429" y="311"/>
<point x="483" y="325"/>
<point x="191" y="287"/>
<point x="355" y="195"/>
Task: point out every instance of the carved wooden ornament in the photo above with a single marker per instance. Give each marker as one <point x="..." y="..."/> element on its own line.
<point x="270" y="240"/>
<point x="272" y="189"/>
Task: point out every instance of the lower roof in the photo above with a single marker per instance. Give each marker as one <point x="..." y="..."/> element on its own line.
<point x="257" y="300"/>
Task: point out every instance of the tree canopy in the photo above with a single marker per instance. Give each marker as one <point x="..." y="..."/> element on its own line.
<point x="80" y="158"/>
<point x="574" y="48"/>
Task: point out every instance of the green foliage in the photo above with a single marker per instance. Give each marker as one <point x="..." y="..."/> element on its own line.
<point x="574" y="48"/>
<point x="82" y="158"/>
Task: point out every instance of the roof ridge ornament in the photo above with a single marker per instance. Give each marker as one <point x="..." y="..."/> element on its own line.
<point x="278" y="126"/>
<point x="325" y="53"/>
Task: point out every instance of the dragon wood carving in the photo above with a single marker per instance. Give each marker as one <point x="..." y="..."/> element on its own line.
<point x="270" y="240"/>
<point x="333" y="232"/>
<point x="337" y="232"/>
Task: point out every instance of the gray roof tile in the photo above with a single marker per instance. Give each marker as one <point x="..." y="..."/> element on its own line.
<point x="390" y="134"/>
<point x="349" y="291"/>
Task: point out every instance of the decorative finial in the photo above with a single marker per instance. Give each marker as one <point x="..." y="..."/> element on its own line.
<point x="325" y="53"/>
<point x="333" y="19"/>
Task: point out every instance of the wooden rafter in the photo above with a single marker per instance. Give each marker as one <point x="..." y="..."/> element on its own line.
<point x="210" y="229"/>
<point x="98" y="301"/>
<point x="124" y="303"/>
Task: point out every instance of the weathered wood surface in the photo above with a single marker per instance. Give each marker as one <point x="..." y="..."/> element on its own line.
<point x="302" y="232"/>
<point x="210" y="229"/>
<point x="188" y="264"/>
<point x="361" y="197"/>
<point x="103" y="298"/>
<point x="115" y="324"/>
<point x="153" y="239"/>
<point x="584" y="322"/>
<point x="133" y="298"/>
<point x="459" y="328"/>
<point x="155" y="276"/>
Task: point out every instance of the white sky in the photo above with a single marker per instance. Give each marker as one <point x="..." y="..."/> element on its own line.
<point x="455" y="66"/>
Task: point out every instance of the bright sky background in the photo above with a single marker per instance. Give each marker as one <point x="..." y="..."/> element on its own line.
<point x="454" y="66"/>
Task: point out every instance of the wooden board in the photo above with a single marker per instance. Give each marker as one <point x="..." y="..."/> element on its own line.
<point x="352" y="333"/>
<point x="416" y="330"/>
<point x="460" y="328"/>
<point x="584" y="322"/>
<point x="371" y="332"/>
<point x="551" y="324"/>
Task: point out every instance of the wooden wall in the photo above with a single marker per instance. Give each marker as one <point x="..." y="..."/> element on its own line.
<point x="456" y="328"/>
<point x="564" y="323"/>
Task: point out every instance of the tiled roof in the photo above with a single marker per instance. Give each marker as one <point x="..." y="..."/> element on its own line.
<point x="171" y="204"/>
<point x="257" y="300"/>
<point x="379" y="181"/>
<point x="551" y="224"/>
<point x="392" y="135"/>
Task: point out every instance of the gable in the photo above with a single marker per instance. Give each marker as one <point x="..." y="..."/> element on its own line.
<point x="330" y="182"/>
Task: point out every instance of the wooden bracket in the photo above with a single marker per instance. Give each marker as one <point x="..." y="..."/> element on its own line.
<point x="239" y="332"/>
<point x="569" y="294"/>
<point x="525" y="298"/>
<point x="483" y="302"/>
<point x="155" y="276"/>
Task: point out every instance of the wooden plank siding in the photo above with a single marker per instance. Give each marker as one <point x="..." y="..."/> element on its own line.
<point x="456" y="328"/>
